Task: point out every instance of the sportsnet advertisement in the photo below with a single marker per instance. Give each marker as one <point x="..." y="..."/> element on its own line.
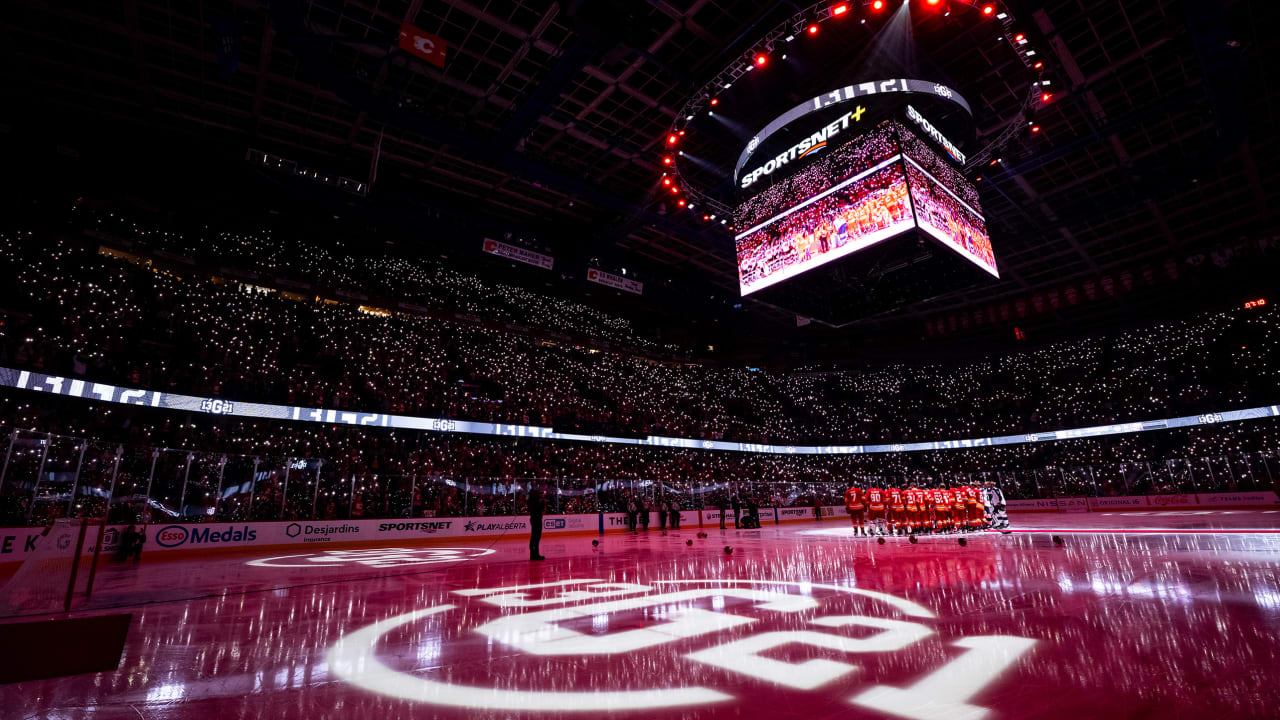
<point x="851" y="199"/>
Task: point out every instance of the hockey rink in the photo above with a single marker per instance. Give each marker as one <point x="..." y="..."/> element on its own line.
<point x="1162" y="614"/>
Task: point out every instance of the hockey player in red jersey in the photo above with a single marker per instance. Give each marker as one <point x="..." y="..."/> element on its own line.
<point x="857" y="508"/>
<point x="941" y="510"/>
<point x="912" y="498"/>
<point x="973" y="507"/>
<point x="959" y="513"/>
<point x="876" y="508"/>
<point x="897" y="511"/>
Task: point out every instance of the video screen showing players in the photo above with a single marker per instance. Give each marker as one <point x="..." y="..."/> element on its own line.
<point x="946" y="203"/>
<point x="851" y="199"/>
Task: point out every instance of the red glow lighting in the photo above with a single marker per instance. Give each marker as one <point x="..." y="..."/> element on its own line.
<point x="681" y="202"/>
<point x="666" y="181"/>
<point x="933" y="2"/>
<point x="1035" y="128"/>
<point x="1260" y="302"/>
<point x="715" y="101"/>
<point x="671" y="139"/>
<point x="878" y="4"/>
<point x="761" y="59"/>
<point x="1044" y="97"/>
<point x="675" y="189"/>
<point x="1038" y="65"/>
<point x="666" y="160"/>
<point x="988" y="9"/>
<point x="842" y="9"/>
<point x="1018" y="37"/>
<point x="813" y="29"/>
<point x="706" y="218"/>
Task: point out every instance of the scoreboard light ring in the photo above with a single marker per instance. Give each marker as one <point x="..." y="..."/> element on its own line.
<point x="848" y="93"/>
<point x="814" y="15"/>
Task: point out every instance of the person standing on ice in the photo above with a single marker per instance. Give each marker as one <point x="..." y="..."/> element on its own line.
<point x="537" y="506"/>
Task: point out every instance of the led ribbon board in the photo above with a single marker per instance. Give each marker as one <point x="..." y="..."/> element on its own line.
<point x="71" y="387"/>
<point x="846" y="94"/>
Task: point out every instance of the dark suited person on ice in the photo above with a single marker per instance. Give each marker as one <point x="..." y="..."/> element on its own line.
<point x="537" y="506"/>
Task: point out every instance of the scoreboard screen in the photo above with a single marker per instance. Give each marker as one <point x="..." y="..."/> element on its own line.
<point x="946" y="203"/>
<point x="854" y="197"/>
<point x="873" y="187"/>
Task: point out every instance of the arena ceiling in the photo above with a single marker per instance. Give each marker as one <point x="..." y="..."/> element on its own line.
<point x="1159" y="136"/>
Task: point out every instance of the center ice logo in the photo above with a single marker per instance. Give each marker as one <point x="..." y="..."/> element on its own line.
<point x="693" y="630"/>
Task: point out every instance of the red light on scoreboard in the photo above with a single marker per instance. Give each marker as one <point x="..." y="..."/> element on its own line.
<point x="1255" y="303"/>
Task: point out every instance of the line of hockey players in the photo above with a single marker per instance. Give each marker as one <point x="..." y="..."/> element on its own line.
<point x="915" y="510"/>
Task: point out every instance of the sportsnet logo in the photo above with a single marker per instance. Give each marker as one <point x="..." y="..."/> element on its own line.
<point x="428" y="526"/>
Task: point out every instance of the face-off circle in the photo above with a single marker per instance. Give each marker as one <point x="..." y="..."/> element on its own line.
<point x="683" y="644"/>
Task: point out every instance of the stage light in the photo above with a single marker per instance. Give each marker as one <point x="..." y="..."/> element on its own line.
<point x="993" y="162"/>
<point x="1038" y="65"/>
<point x="761" y="59"/>
<point x="933" y="2"/>
<point x="988" y="9"/>
<point x="675" y="190"/>
<point x="813" y="29"/>
<point x="713" y="217"/>
<point x="839" y="10"/>
<point x="671" y="139"/>
<point x="680" y="202"/>
<point x="1035" y="128"/>
<point x="878" y="4"/>
<point x="666" y="181"/>
<point x="1019" y="38"/>
<point x="1044" y="97"/>
<point x="789" y="38"/>
<point x="681" y="133"/>
<point x="666" y="160"/>
<point x="705" y="218"/>
<point x="715" y="101"/>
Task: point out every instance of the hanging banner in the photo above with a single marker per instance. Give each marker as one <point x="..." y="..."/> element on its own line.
<point x="615" y="281"/>
<point x="519" y="254"/>
<point x="422" y="44"/>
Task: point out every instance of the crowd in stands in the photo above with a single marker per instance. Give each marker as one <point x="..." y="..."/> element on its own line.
<point x="71" y="309"/>
<point x="200" y="467"/>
